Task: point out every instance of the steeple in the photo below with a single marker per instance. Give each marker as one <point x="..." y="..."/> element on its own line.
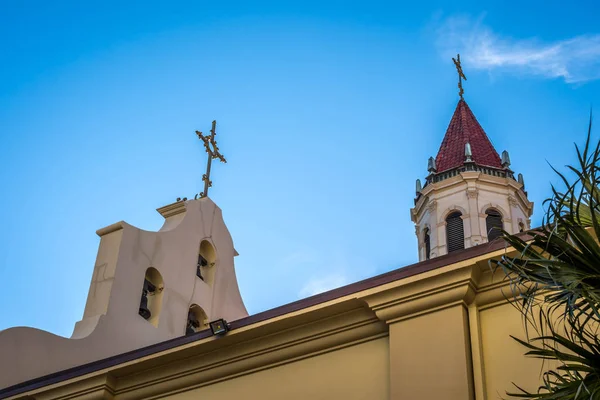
<point x="470" y="194"/>
<point x="464" y="128"/>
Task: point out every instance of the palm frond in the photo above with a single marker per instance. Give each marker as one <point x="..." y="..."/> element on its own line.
<point x="555" y="282"/>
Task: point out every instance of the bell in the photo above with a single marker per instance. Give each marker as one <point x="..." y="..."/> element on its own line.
<point x="144" y="311"/>
<point x="192" y="324"/>
<point x="201" y="263"/>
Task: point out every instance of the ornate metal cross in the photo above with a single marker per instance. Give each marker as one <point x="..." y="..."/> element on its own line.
<point x="461" y="75"/>
<point x="213" y="152"/>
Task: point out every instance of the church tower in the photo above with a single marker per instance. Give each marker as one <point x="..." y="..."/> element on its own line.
<point x="470" y="192"/>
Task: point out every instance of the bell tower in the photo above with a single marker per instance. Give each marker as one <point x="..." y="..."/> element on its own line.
<point x="470" y="193"/>
<point x="146" y="288"/>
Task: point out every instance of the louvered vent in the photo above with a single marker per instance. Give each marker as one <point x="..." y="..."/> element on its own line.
<point x="427" y="241"/>
<point x="493" y="223"/>
<point x="455" y="233"/>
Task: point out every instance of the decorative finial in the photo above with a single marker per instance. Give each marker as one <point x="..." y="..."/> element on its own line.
<point x="468" y="153"/>
<point x="505" y="159"/>
<point x="461" y="75"/>
<point x="521" y="180"/>
<point x="418" y="186"/>
<point x="212" y="153"/>
<point x="431" y="165"/>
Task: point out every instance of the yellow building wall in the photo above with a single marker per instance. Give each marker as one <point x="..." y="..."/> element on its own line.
<point x="438" y="340"/>
<point x="503" y="357"/>
<point x="430" y="356"/>
<point x="359" y="372"/>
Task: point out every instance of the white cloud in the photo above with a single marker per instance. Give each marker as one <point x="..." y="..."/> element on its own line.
<point x="323" y="284"/>
<point x="575" y="59"/>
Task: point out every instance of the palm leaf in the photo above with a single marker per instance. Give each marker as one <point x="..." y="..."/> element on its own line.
<point x="555" y="282"/>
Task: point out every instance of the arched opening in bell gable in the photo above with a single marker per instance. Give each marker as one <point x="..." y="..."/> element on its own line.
<point x="205" y="269"/>
<point x="196" y="320"/>
<point x="152" y="292"/>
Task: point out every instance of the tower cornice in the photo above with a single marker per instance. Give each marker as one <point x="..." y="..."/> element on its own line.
<point x="441" y="189"/>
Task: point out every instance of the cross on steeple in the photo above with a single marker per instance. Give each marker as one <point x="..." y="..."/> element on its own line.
<point x="461" y="75"/>
<point x="212" y="153"/>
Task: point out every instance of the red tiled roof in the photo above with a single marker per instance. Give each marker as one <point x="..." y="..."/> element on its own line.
<point x="464" y="128"/>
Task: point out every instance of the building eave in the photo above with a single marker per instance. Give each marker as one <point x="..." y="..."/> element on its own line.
<point x="346" y="299"/>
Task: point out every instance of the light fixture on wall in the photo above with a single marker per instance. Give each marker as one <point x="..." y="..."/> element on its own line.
<point x="219" y="327"/>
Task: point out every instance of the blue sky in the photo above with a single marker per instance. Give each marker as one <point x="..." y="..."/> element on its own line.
<point x="327" y="113"/>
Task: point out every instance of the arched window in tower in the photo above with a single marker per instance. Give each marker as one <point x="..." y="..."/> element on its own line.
<point x="196" y="321"/>
<point x="427" y="242"/>
<point x="206" y="261"/>
<point x="455" y="233"/>
<point x="151" y="301"/>
<point x="521" y="227"/>
<point x="493" y="224"/>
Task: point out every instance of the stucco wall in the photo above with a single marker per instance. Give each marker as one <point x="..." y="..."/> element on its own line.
<point x="430" y="356"/>
<point x="503" y="356"/>
<point x="359" y="372"/>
